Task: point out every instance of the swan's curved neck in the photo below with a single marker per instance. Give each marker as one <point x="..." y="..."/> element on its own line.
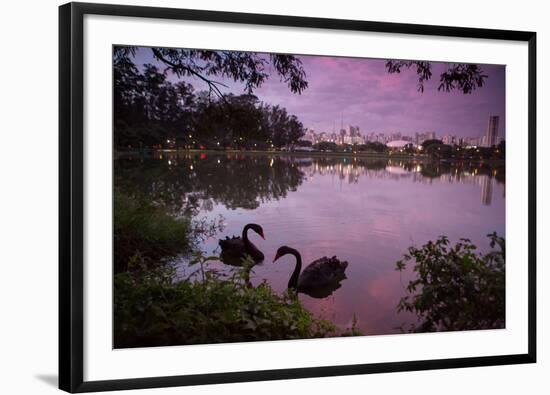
<point x="245" y="233"/>
<point x="293" y="282"/>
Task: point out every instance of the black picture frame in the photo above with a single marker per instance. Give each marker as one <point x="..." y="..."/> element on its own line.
<point x="71" y="204"/>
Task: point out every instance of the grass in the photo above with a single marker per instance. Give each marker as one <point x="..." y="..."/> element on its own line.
<point x="146" y="230"/>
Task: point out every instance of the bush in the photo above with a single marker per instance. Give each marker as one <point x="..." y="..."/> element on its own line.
<point x="146" y="230"/>
<point x="326" y="146"/>
<point x="150" y="309"/>
<point x="456" y="288"/>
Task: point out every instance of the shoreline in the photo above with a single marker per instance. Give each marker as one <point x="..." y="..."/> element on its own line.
<point x="362" y="155"/>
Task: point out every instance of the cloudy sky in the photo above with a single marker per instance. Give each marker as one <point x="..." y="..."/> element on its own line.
<point x="364" y="94"/>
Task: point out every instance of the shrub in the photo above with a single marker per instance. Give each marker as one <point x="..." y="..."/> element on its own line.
<point x="150" y="309"/>
<point x="456" y="288"/>
<point x="146" y="230"/>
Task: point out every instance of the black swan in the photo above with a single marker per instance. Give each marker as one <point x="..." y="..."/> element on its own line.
<point x="319" y="279"/>
<point x="236" y="248"/>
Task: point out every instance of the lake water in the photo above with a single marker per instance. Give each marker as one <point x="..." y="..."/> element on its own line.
<point x="365" y="211"/>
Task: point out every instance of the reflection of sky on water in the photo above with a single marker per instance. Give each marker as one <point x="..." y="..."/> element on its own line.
<point x="367" y="216"/>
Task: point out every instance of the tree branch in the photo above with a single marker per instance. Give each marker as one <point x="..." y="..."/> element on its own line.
<point x="212" y="85"/>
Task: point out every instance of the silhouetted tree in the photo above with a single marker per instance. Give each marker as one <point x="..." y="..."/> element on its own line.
<point x="150" y="110"/>
<point x="427" y="143"/>
<point x="250" y="68"/>
<point x="284" y="129"/>
<point x="461" y="76"/>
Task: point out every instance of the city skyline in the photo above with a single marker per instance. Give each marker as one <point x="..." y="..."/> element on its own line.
<point x="353" y="135"/>
<point x="361" y="92"/>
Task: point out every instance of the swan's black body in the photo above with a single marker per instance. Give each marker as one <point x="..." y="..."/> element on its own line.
<point x="235" y="249"/>
<point x="319" y="279"/>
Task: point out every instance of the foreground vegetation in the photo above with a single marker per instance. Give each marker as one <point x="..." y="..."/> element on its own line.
<point x="456" y="287"/>
<point x="151" y="309"/>
<point x="147" y="231"/>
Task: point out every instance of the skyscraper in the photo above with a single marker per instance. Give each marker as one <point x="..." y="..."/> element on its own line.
<point x="491" y="136"/>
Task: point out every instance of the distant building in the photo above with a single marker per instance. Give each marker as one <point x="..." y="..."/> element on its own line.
<point x="342" y="137"/>
<point x="421" y="137"/>
<point x="400" y="144"/>
<point x="471" y="141"/>
<point x="310" y="135"/>
<point x="381" y="138"/>
<point x="353" y="136"/>
<point x="354" y="131"/>
<point x="449" y="139"/>
<point x="395" y="136"/>
<point x="370" y="137"/>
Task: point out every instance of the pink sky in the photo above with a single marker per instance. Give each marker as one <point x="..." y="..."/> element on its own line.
<point x="364" y="93"/>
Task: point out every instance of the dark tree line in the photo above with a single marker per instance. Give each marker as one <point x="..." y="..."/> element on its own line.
<point x="437" y="149"/>
<point x="150" y="110"/>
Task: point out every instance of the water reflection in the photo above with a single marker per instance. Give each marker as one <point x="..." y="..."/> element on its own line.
<point x="365" y="211"/>
<point x="486" y="190"/>
<point x="199" y="181"/>
<point x="326" y="290"/>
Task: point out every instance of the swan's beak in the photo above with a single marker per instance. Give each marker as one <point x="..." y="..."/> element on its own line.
<point x="276" y="257"/>
<point x="262" y="235"/>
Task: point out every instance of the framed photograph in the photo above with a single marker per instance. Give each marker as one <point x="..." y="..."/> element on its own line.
<point x="251" y="197"/>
